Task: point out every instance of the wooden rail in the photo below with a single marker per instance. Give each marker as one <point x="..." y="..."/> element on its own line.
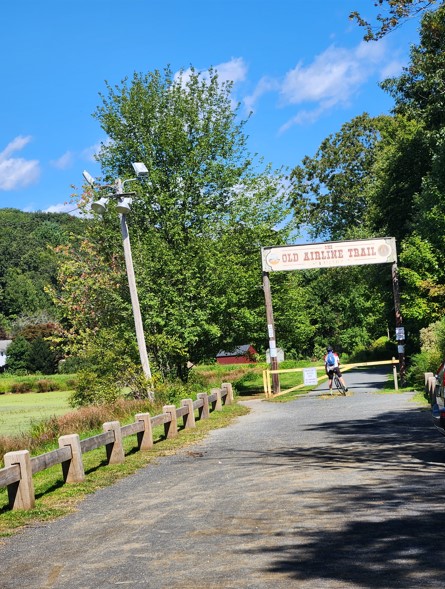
<point x="268" y="373"/>
<point x="19" y="468"/>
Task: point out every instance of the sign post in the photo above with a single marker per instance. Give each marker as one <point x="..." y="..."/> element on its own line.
<point x="329" y="255"/>
<point x="400" y="330"/>
<point x="271" y="333"/>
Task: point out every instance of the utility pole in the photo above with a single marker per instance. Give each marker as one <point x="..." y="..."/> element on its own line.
<point x="134" y="298"/>
<point x="271" y="332"/>
<point x="400" y="330"/>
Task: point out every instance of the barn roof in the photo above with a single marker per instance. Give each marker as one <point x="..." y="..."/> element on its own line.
<point x="238" y="351"/>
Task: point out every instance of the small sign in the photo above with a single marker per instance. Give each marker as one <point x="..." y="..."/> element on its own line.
<point x="270" y="330"/>
<point x="400" y="333"/>
<point x="272" y="351"/>
<point x="401" y="349"/>
<point x="310" y="376"/>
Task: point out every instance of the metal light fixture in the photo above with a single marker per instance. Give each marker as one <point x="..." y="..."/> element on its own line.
<point x="124" y="200"/>
<point x="100" y="206"/>
<point x="124" y="206"/>
<point x="88" y="177"/>
<point x="140" y="169"/>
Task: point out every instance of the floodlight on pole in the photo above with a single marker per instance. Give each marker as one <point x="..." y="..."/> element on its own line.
<point x="140" y="169"/>
<point x="124" y="205"/>
<point x="124" y="201"/>
<point x="100" y="206"/>
<point x="88" y="177"/>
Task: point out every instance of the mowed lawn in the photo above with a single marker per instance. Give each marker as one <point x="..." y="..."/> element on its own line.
<point x="18" y="410"/>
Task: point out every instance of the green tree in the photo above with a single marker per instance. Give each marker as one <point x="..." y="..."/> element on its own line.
<point x="18" y="355"/>
<point x="27" y="264"/>
<point x="41" y="358"/>
<point x="196" y="227"/>
<point x="394" y="13"/>
<point x="328" y="190"/>
<point x="419" y="92"/>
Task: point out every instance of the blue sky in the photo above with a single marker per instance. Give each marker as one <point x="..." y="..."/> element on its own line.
<point x="300" y="65"/>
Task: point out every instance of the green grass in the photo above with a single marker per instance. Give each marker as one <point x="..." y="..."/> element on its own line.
<point x="55" y="499"/>
<point x="63" y="382"/>
<point x="18" y="410"/>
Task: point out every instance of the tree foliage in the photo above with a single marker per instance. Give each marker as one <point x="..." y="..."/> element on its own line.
<point x="394" y="13"/>
<point x="196" y="227"/>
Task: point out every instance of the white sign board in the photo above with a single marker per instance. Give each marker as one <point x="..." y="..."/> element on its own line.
<point x="329" y="254"/>
<point x="310" y="376"/>
<point x="400" y="333"/>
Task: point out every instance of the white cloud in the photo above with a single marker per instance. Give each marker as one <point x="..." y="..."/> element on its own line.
<point x="333" y="77"/>
<point x="64" y="161"/>
<point x="331" y="80"/>
<point x="17" y="172"/>
<point x="393" y="68"/>
<point x="266" y="84"/>
<point x="234" y="70"/>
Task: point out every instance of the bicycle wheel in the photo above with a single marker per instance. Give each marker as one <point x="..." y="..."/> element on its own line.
<point x="341" y="389"/>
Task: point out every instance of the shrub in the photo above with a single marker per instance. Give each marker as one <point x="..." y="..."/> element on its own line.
<point x="46" y="385"/>
<point x="91" y="389"/>
<point x="21" y="387"/>
<point x="427" y="361"/>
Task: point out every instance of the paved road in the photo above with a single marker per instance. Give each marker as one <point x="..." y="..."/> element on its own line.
<point x="325" y="492"/>
<point x="361" y="381"/>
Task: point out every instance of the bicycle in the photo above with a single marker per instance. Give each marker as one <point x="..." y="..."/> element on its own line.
<point x="336" y="381"/>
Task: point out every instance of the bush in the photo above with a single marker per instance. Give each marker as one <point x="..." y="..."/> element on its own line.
<point x="91" y="389"/>
<point x="71" y="365"/>
<point x="427" y="361"/>
<point x="21" y="387"/>
<point x="46" y="385"/>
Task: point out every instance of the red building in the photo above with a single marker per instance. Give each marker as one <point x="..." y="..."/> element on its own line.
<point x="239" y="355"/>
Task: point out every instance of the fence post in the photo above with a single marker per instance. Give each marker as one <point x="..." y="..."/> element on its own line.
<point x="218" y="403"/>
<point x="115" y="450"/>
<point x="431" y="388"/>
<point x="73" y="471"/>
<point x="229" y="389"/>
<point x="145" y="438"/>
<point x="204" y="410"/>
<point x="21" y="494"/>
<point x="171" y="428"/>
<point x="427" y="375"/>
<point x="189" y="419"/>
<point x="394" y="371"/>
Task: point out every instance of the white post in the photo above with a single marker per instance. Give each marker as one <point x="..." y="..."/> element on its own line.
<point x="134" y="298"/>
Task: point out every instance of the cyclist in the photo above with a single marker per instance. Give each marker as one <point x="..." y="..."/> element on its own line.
<point x="332" y="364"/>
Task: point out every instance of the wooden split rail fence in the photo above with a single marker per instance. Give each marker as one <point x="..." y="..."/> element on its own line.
<point x="20" y="466"/>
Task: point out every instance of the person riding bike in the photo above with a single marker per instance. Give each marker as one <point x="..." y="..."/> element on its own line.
<point x="332" y="365"/>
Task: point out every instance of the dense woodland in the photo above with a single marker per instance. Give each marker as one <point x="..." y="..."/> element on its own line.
<point x="197" y="226"/>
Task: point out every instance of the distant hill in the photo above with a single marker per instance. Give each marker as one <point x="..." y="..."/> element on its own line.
<point x="27" y="263"/>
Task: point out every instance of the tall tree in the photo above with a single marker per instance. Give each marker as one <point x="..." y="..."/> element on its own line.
<point x="419" y="92"/>
<point x="197" y="225"/>
<point x="328" y="190"/>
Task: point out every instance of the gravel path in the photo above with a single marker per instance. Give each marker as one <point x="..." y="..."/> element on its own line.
<point x="322" y="492"/>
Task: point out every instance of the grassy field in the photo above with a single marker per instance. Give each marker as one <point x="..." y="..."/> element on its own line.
<point x="17" y="411"/>
<point x="34" y="382"/>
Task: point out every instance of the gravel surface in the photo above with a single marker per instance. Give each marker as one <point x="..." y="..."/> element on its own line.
<point x="326" y="491"/>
